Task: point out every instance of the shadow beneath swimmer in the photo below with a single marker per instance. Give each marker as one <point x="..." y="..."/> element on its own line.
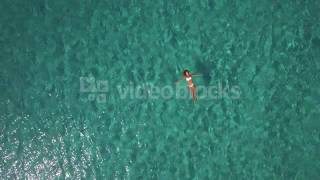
<point x="204" y="69"/>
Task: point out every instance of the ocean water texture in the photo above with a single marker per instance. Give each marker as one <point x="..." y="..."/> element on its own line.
<point x="50" y="129"/>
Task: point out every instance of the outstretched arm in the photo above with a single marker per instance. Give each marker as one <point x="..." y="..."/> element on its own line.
<point x="180" y="79"/>
<point x="196" y="74"/>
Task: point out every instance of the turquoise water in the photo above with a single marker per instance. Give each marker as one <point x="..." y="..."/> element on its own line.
<point x="52" y="128"/>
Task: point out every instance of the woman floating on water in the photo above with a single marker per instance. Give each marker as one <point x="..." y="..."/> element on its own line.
<point x="188" y="76"/>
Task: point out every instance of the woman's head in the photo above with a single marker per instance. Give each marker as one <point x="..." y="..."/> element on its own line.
<point x="186" y="73"/>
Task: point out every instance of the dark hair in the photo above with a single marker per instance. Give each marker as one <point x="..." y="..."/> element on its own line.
<point x="186" y="72"/>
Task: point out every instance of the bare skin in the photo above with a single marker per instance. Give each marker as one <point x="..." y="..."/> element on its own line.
<point x="188" y="77"/>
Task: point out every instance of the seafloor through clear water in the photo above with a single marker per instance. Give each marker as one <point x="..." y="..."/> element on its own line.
<point x="54" y="127"/>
